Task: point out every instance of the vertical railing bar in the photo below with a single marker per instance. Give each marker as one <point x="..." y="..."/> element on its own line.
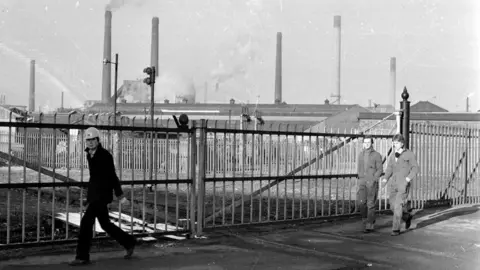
<point x="277" y="152"/>
<point x="225" y="158"/>
<point x="177" y="191"/>
<point x="234" y="174"/>
<point x="243" y="157"/>
<point x="167" y="175"/>
<point x="215" y="167"/>
<point x="286" y="181"/>
<point x="54" y="156"/>
<point x="269" y="160"/>
<point x="39" y="164"/>
<point x="24" y="195"/>
<point x="132" y="187"/>
<point x="193" y="165"/>
<point x="261" y="160"/>
<point x="9" y="180"/>
<point x="252" y="168"/>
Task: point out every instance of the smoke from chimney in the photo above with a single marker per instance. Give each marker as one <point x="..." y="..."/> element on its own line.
<point x="114" y="5"/>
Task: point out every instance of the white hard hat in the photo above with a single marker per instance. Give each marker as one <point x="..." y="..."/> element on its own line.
<point x="92" y="133"/>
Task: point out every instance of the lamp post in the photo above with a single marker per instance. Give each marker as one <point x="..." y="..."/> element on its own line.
<point x="105" y="62"/>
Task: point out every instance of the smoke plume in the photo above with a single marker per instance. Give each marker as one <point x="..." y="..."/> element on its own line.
<point x="114" y="5"/>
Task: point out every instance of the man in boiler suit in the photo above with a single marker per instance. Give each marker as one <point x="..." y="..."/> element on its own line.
<point x="402" y="168"/>
<point x="369" y="170"/>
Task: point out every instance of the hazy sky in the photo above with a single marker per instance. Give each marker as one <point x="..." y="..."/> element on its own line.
<point x="436" y="43"/>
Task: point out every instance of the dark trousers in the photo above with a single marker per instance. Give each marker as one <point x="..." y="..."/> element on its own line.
<point x="367" y="198"/>
<point x="99" y="210"/>
<point x="399" y="203"/>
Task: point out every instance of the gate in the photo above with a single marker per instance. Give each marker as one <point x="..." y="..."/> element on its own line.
<point x="41" y="201"/>
<point x="257" y="177"/>
<point x="449" y="159"/>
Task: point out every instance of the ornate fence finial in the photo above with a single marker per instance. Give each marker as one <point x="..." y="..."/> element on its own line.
<point x="405" y="94"/>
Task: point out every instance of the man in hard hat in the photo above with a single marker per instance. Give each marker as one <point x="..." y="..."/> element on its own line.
<point x="369" y="170"/>
<point x="403" y="169"/>
<point x="103" y="182"/>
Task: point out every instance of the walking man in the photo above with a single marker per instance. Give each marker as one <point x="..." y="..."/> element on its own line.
<point x="103" y="182"/>
<point x="369" y="170"/>
<point x="402" y="169"/>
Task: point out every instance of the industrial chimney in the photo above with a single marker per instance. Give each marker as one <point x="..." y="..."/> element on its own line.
<point x="61" y="102"/>
<point x="107" y="53"/>
<point x="337" y="24"/>
<point x="154" y="49"/>
<point x="31" y="93"/>
<point x="393" y="80"/>
<point x="278" y="70"/>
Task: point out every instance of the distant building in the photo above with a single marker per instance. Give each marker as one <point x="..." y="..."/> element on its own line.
<point x="426" y="106"/>
<point x="381" y="108"/>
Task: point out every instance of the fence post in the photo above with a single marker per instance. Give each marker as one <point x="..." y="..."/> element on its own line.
<point x="193" y="167"/>
<point x="405" y="105"/>
<point x="201" y="176"/>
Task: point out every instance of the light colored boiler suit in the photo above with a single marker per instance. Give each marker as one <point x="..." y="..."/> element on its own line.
<point x="399" y="169"/>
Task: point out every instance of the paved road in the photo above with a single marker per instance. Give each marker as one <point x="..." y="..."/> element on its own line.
<point x="443" y="240"/>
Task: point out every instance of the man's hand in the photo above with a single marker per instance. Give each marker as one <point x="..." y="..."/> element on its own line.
<point x="124" y="201"/>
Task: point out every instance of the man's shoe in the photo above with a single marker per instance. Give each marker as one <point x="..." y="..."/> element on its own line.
<point x="129" y="252"/>
<point x="395" y="233"/>
<point x="408" y="222"/>
<point x="367" y="230"/>
<point x="78" y="262"/>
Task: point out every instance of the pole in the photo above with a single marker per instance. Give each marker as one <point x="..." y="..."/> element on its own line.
<point x="406" y="117"/>
<point x="468" y="105"/>
<point x="152" y="116"/>
<point x="31" y="96"/>
<point x="278" y="71"/>
<point x="393" y="80"/>
<point x="337" y="24"/>
<point x="115" y="97"/>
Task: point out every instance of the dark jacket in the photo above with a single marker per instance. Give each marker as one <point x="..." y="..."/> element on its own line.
<point x="369" y="167"/>
<point x="103" y="178"/>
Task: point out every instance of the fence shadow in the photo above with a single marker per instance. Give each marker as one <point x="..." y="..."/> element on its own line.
<point x="436" y="218"/>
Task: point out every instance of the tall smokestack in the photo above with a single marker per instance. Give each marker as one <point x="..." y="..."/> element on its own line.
<point x="61" y="102"/>
<point x="154" y="51"/>
<point x="278" y="70"/>
<point x="31" y="93"/>
<point x="107" y="54"/>
<point x="393" y="80"/>
<point x="337" y="24"/>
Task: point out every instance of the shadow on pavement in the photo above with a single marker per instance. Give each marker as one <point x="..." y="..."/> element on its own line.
<point x="436" y="218"/>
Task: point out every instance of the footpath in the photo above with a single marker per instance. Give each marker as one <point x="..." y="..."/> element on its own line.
<point x="438" y="239"/>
